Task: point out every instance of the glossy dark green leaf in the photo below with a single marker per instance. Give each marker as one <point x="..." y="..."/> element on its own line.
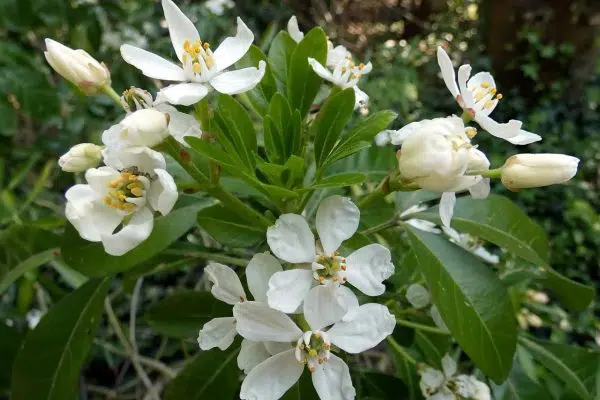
<point x="302" y="82"/>
<point x="50" y="360"/>
<point x="282" y="130"/>
<point x="339" y="180"/>
<point x="183" y="313"/>
<point x="330" y="121"/>
<point x="212" y="374"/>
<point x="519" y="386"/>
<point x="261" y="94"/>
<point x="10" y="342"/>
<point x="90" y="259"/>
<point x="500" y="221"/>
<point x="433" y="347"/>
<point x="303" y="389"/>
<point x="471" y="299"/>
<point x="228" y="229"/>
<point x="211" y="151"/>
<point x="280" y="54"/>
<point x="375" y="385"/>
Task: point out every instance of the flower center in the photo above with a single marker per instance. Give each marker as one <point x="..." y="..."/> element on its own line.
<point x="485" y="94"/>
<point x="330" y="269"/>
<point x="313" y="348"/>
<point x="127" y="185"/>
<point x="348" y="70"/>
<point x="199" y="55"/>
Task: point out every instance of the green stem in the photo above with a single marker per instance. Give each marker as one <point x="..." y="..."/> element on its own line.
<point x="421" y="327"/>
<point x="110" y="92"/>
<point x="383" y="226"/>
<point x="396" y="346"/>
<point x="229" y="201"/>
<point x="207" y="255"/>
<point x="380" y="192"/>
<point x="489" y="173"/>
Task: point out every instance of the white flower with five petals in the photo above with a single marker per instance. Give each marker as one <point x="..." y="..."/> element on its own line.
<point x="270" y="379"/>
<point x="321" y="271"/>
<point x="446" y="385"/>
<point x="227" y="287"/>
<point x="202" y="69"/>
<point x="122" y="194"/>
<point x="478" y="95"/>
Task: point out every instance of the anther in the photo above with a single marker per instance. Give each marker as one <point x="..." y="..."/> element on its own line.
<point x="206" y="45"/>
<point x="343" y="267"/>
<point x="485" y="85"/>
<point x="136" y="191"/>
<point x="312" y="368"/>
<point x="499" y="96"/>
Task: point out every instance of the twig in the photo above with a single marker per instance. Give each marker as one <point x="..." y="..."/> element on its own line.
<point x="401" y="350"/>
<point x="421" y="327"/>
<point x="148" y="362"/>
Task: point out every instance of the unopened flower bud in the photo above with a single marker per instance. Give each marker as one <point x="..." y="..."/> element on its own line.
<point x="81" y="157"/>
<point x="146" y="127"/>
<point x="77" y="66"/>
<point x="537" y="297"/>
<point x="136" y="99"/>
<point x="534" y="170"/>
<point x="534" y="320"/>
<point x="418" y="296"/>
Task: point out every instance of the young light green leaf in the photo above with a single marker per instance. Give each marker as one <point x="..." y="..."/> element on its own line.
<point x="227" y="228"/>
<point x="49" y="362"/>
<point x="366" y="129"/>
<point x="212" y="374"/>
<point x="90" y="259"/>
<point x="183" y="313"/>
<point x="302" y="82"/>
<point x="280" y="54"/>
<point x="472" y="301"/>
<point x="329" y="123"/>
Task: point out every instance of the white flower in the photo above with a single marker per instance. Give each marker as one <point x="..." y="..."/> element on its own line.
<point x="180" y="124"/>
<point x="81" y="157"/>
<point x="478" y="95"/>
<point x="146" y="127"/>
<point x="227" y="287"/>
<point x="201" y="68"/>
<point x="418" y="296"/>
<point x="534" y="170"/>
<point x="421" y="224"/>
<point x="33" y="317"/>
<point x="124" y="197"/>
<point x="383" y="138"/>
<point x="471" y="244"/>
<point x="537" y="297"/>
<point x="218" y="7"/>
<point x="322" y="271"/>
<point x="437" y="154"/>
<point x="330" y="375"/>
<point x="438" y="385"/>
<point x="435" y="315"/>
<point x="295" y="33"/>
<point x="77" y="66"/>
<point x="342" y="72"/>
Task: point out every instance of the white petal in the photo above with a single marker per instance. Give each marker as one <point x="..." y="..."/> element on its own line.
<point x="506" y="131"/>
<point x="227" y="286"/>
<point x="448" y="366"/>
<point x="481" y="189"/>
<point x="233" y="48"/>
<point x="486" y="256"/>
<point x="431" y="380"/>
<point x="337" y="220"/>
<point x="368" y="267"/>
<point x="218" y="332"/>
<point x="163" y="192"/>
<point x="239" y="81"/>
<point x="99" y="179"/>
<point x="371" y="324"/>
<point x="276" y="347"/>
<point x="463" y="75"/>
<point x="398" y="136"/>
<point x="258" y="322"/>
<point x="287" y="289"/>
<point x="383" y="138"/>
<point x="273" y="377"/>
<point x="327" y="304"/>
<point x="180" y="124"/>
<point x="93" y="219"/>
<point x="321" y="70"/>
<point x="184" y="94"/>
<point x="434" y="312"/>
<point x="332" y="380"/>
<point x="292" y="27"/>
<point x="361" y="99"/>
<point x="81" y="197"/>
<point x="423" y="225"/>
<point x="131" y="235"/>
<point x="291" y="240"/>
<point x="144" y="158"/>
<point x="447" y="202"/>
<point x="417" y="295"/>
<point x="151" y="65"/>
<point x="447" y="70"/>
<point x="180" y="27"/>
<point x="251" y="354"/>
<point x="524" y="137"/>
<point x="258" y="272"/>
<point x="367" y="68"/>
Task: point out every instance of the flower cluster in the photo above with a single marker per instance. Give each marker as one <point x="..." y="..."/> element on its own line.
<point x="438" y="154"/>
<point x="447" y="385"/>
<point x="277" y="346"/>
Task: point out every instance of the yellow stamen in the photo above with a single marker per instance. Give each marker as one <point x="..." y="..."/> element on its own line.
<point x="196" y="67"/>
<point x="488" y="104"/>
<point x="206" y="45"/>
<point x="137" y="191"/>
<point x="492" y="91"/>
<point x="107" y="200"/>
<point x="485" y="85"/>
<point x="499" y="96"/>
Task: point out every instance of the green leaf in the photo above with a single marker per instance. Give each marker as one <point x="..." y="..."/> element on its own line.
<point x="212" y="374"/>
<point x="472" y="301"/>
<point x="282" y="130"/>
<point x="236" y="134"/>
<point x="339" y="180"/>
<point x="280" y="54"/>
<point x="346" y="152"/>
<point x="407" y="372"/>
<point x="261" y="94"/>
<point x="90" y="259"/>
<point x="433" y="347"/>
<point x="500" y="221"/>
<point x="228" y="229"/>
<point x="330" y="121"/>
<point x="302" y="82"/>
<point x="303" y="389"/>
<point x="375" y="385"/>
<point x="32" y="262"/>
<point x="519" y="386"/>
<point x="210" y="151"/>
<point x="575" y="366"/>
<point x="50" y="361"/>
<point x="183" y="313"/>
<point x="10" y="343"/>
